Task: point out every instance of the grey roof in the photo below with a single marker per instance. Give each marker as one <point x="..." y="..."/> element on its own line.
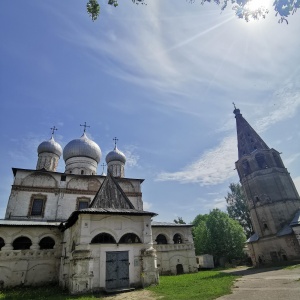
<point x="115" y="155"/>
<point x="83" y="147"/>
<point x="296" y="219"/>
<point x="253" y="238"/>
<point x="107" y="211"/>
<point x="50" y="146"/>
<point x="285" y="230"/>
<point x="248" y="138"/>
<point x="27" y="223"/>
<point x="168" y="224"/>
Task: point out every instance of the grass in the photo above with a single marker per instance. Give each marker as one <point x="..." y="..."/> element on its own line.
<point x="292" y="267"/>
<point x="41" y="293"/>
<point x="204" y="285"/>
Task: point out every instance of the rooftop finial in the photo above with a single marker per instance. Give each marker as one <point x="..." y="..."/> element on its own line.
<point x="115" y="140"/>
<point x="103" y="165"/>
<point x="236" y="110"/>
<point x="85" y="126"/>
<point x="53" y="130"/>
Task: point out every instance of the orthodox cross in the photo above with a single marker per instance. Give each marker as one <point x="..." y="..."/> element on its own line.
<point x="53" y="129"/>
<point x="115" y="139"/>
<point x="85" y="126"/>
<point x="103" y="165"/>
<point x="234" y="105"/>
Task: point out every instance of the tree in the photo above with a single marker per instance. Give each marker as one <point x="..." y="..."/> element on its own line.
<point x="179" y="220"/>
<point x="244" y="9"/>
<point x="237" y="207"/>
<point x="219" y="235"/>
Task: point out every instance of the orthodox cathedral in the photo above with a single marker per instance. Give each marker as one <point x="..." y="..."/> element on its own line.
<point x="86" y="231"/>
<point x="272" y="198"/>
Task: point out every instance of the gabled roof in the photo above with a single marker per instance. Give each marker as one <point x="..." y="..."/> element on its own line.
<point x="111" y="195"/>
<point x="248" y="138"/>
<point x="296" y="219"/>
<point x="103" y="211"/>
<point x="253" y="238"/>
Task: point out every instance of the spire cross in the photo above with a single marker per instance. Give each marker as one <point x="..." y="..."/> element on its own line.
<point x="115" y="139"/>
<point x="53" y="129"/>
<point x="234" y="105"/>
<point x="85" y="126"/>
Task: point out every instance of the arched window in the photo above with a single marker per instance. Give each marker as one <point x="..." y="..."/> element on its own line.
<point x="246" y="167"/>
<point x="161" y="239"/>
<point x="261" y="160"/>
<point x="177" y="239"/>
<point x="129" y="238"/>
<point x="103" y="238"/>
<point x="278" y="161"/>
<point x="2" y="243"/>
<point x="47" y="243"/>
<point x="22" y="243"/>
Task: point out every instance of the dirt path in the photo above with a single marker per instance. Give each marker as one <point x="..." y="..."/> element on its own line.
<point x="265" y="283"/>
<point x="135" y="295"/>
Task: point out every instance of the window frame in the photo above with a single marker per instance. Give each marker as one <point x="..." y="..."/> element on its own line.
<point x="82" y="199"/>
<point x="31" y="205"/>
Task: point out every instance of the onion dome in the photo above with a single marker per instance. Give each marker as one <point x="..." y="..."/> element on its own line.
<point x="50" y="147"/>
<point x="115" y="155"/>
<point x="83" y="147"/>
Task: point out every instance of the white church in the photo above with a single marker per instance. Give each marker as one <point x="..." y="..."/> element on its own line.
<point x="85" y="231"/>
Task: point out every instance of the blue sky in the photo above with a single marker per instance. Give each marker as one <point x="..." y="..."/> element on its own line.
<point x="162" y="78"/>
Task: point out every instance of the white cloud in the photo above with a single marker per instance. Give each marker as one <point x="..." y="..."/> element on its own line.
<point x="219" y="203"/>
<point x="131" y="157"/>
<point x="147" y="205"/>
<point x="213" y="167"/>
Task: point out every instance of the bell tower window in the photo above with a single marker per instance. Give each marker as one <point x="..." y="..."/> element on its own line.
<point x="261" y="161"/>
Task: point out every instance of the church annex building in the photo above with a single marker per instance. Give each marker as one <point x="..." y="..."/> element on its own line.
<point x="86" y="231"/>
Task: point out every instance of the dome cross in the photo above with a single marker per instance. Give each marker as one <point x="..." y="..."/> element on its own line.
<point x="115" y="140"/>
<point x="53" y="129"/>
<point x="85" y="126"/>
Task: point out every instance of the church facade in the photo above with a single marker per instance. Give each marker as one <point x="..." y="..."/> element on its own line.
<point x="272" y="198"/>
<point x="86" y="231"/>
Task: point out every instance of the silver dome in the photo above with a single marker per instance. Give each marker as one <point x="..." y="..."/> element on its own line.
<point x="114" y="155"/>
<point x="50" y="146"/>
<point x="82" y="147"/>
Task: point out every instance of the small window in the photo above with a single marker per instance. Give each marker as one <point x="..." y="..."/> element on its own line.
<point x="22" y="243"/>
<point x="63" y="178"/>
<point x="47" y="243"/>
<point x="266" y="226"/>
<point x="2" y="243"/>
<point x="103" y="238"/>
<point x="83" y="205"/>
<point x="129" y="238"/>
<point x="161" y="239"/>
<point x="177" y="239"/>
<point x="261" y="161"/>
<point x="82" y="172"/>
<point x="37" y="205"/>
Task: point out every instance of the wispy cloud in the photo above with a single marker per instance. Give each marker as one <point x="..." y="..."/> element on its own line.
<point x="132" y="157"/>
<point x="216" y="165"/>
<point x="213" y="167"/>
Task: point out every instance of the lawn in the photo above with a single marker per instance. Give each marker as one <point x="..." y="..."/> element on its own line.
<point x="204" y="285"/>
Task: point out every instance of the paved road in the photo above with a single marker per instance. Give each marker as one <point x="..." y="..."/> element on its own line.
<point x="265" y="284"/>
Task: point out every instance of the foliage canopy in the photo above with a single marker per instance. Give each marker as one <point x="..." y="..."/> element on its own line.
<point x="237" y="207"/>
<point x="219" y="235"/>
<point x="244" y="9"/>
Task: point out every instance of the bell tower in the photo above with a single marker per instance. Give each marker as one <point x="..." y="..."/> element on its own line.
<point x="271" y="195"/>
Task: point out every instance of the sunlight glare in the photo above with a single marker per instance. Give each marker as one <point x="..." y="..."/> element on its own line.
<point x="254" y="5"/>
